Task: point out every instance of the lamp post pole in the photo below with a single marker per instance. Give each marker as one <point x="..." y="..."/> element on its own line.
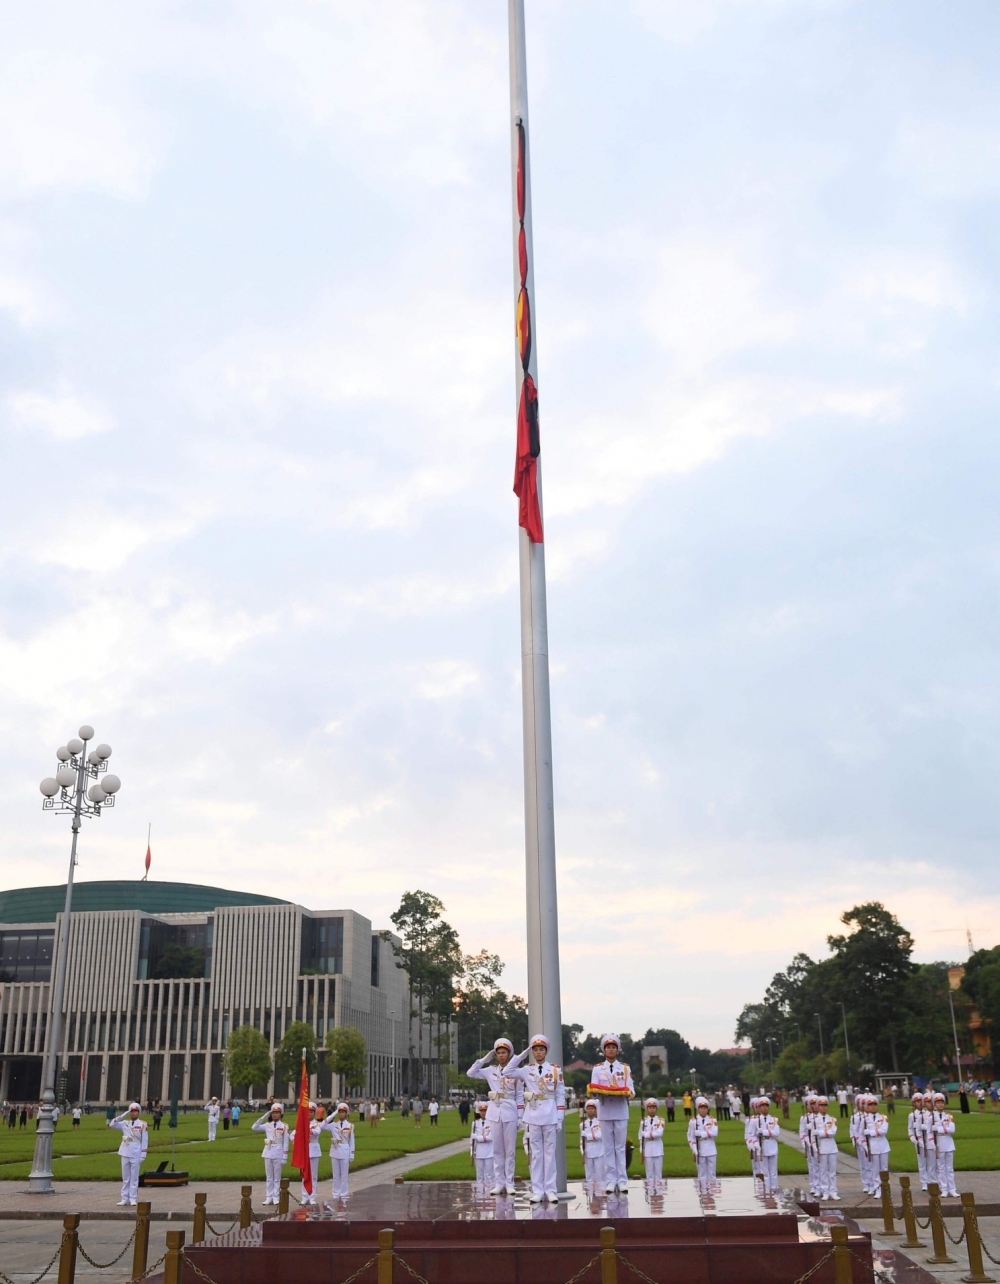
<point x="69" y="783"/>
<point x="392" y="1059"/>
<point x="847" y="1046"/>
<point x="819" y="1022"/>
<point x="954" y="1031"/>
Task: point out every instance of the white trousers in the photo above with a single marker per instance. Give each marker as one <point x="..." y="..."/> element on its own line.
<point x="879" y="1164"/>
<point x="827" y="1176"/>
<point x="272" y="1177"/>
<point x="130" y="1179"/>
<point x="484" y="1171"/>
<point x="865" y="1167"/>
<point x="921" y="1167"/>
<point x="654" y="1167"/>
<point x="706" y="1167"/>
<point x="314" y="1168"/>
<point x="212" y="1125"/>
<point x="931" y="1166"/>
<point x="504" y="1151"/>
<point x="593" y="1169"/>
<point x="768" y="1169"/>
<point x="613" y="1131"/>
<point x="542" y="1141"/>
<point x="813" y="1164"/>
<point x="946" y="1172"/>
<point x="341" y="1167"/>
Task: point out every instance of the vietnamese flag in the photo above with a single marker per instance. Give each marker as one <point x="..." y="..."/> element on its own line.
<point x="300" y="1150"/>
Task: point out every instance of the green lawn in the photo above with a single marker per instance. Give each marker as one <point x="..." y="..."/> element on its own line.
<point x="734" y="1158"/>
<point x="89" y="1153"/>
<point x="977" y="1138"/>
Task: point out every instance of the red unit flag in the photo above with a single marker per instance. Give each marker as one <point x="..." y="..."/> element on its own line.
<point x="300" y="1151"/>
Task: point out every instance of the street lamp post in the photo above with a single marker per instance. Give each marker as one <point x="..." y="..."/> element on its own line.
<point x="819" y="1022"/>
<point x="847" y="1046"/>
<point x="770" y="1049"/>
<point x="392" y="1059"/>
<point x="65" y="793"/>
<point x="954" y="1031"/>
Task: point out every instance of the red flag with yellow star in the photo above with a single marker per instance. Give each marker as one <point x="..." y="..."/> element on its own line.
<point x="300" y="1150"/>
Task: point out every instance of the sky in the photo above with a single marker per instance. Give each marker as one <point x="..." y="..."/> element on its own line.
<point x="257" y="445"/>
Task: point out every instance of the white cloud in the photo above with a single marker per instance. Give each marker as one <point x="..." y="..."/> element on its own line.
<point x="65" y="417"/>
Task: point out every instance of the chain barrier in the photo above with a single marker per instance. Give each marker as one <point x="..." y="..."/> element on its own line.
<point x="583" y="1271"/>
<point x="407" y="1267"/>
<point x="5" y="1279"/>
<point x="149" y="1270"/>
<point x="105" y="1266"/>
<point x="291" y="1196"/>
<point x="222" y="1232"/>
<point x="632" y="1267"/>
<point x="923" y="1225"/>
<point x="950" y="1235"/>
<point x="189" y="1265"/>
<point x="982" y="1245"/>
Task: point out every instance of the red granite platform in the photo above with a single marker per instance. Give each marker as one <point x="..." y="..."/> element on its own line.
<point x="448" y="1234"/>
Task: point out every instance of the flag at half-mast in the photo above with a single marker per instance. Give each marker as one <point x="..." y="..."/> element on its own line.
<point x="528" y="446"/>
<point x="300" y="1147"/>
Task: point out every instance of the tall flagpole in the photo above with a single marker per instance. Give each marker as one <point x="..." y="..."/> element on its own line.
<point x="544" y="1004"/>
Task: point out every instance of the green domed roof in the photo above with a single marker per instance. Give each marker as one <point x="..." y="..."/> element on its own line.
<point x="42" y="904"/>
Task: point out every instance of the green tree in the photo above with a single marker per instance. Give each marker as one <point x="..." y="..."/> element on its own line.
<point x="348" y="1054"/>
<point x="288" y="1056"/>
<point x="179" y="961"/>
<point x="872" y="967"/>
<point x="248" y="1057"/>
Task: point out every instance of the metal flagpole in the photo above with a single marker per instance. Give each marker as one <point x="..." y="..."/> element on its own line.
<point x="544" y="1005"/>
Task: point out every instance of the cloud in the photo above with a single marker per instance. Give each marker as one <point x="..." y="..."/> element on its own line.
<point x="65" y="417"/>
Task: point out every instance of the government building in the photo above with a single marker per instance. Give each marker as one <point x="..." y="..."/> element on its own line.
<point x="159" y="975"/>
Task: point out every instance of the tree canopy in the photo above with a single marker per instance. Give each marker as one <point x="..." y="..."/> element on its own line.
<point x="288" y="1054"/>
<point x="348" y="1054"/>
<point x="248" y="1057"/>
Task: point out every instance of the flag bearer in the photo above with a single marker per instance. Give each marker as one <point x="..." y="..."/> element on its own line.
<point x="702" y="1132"/>
<point x="315" y="1128"/>
<point x="504" y="1111"/>
<point x="651" y="1141"/>
<point x="611" y="1084"/>
<point x="275" y="1152"/>
<point x="481" y="1146"/>
<point x="876" y="1135"/>
<point x="134" y="1144"/>
<point x="341" y="1132"/>
<point x="544" y="1109"/>
<point x="944" y="1139"/>
<point x="825" y="1129"/>
<point x="808" y="1137"/>
<point x="761" y="1134"/>
<point x="214" y="1110"/>
<point x="592" y="1148"/>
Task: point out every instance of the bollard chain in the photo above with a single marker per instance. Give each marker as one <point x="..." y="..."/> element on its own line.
<point x="583" y="1271"/>
<point x="982" y="1245"/>
<point x="104" y="1266"/>
<point x="149" y="1270"/>
<point x="189" y="1265"/>
<point x="5" y="1279"/>
<point x="222" y="1232"/>
<point x="407" y="1267"/>
<point x="950" y="1235"/>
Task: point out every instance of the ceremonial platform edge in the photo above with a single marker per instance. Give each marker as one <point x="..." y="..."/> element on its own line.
<point x="448" y="1234"/>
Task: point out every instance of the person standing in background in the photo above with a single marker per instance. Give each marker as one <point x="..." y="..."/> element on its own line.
<point x="670" y="1105"/>
<point x="213" y="1112"/>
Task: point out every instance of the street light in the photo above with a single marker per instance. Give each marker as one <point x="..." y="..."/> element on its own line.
<point x="819" y="1022"/>
<point x="392" y="1059"/>
<point x="64" y="793"/>
<point x="954" y="1030"/>
<point x="770" y="1049"/>
<point x="847" y="1047"/>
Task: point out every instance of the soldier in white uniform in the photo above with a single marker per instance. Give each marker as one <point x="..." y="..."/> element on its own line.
<point x="807" y="1135"/>
<point x="651" y="1141"/>
<point x="701" y="1135"/>
<point x="341" y="1132"/>
<point x="857" y="1135"/>
<point x="481" y="1146"/>
<point x="931" y="1158"/>
<point x="611" y="1085"/>
<point x="544" y="1110"/>
<point x="761" y="1136"/>
<point x="592" y="1148"/>
<point x="315" y="1128"/>
<point x="504" y="1112"/>
<point x="214" y="1111"/>
<point x="944" y="1139"/>
<point x="875" y="1131"/>
<point x="134" y="1144"/>
<point x="916" y="1130"/>
<point x="275" y="1152"/>
<point x="825" y="1130"/>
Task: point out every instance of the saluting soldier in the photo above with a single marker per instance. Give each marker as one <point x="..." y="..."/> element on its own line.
<point x="544" y="1109"/>
<point x="341" y="1132"/>
<point x="506" y="1094"/>
<point x="275" y="1152"/>
<point x="132" y="1150"/>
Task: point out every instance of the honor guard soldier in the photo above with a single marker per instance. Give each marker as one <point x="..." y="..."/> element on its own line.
<point x="544" y="1109"/>
<point x="931" y="1161"/>
<point x="651" y="1141"/>
<point x="761" y="1135"/>
<point x="807" y="1135"/>
<point x="916" y="1130"/>
<point x="943" y="1125"/>
<point x="481" y="1146"/>
<point x="134" y="1144"/>
<point x="875" y="1132"/>
<point x="857" y="1136"/>
<point x="341" y="1132"/>
<point x="214" y="1110"/>
<point x="701" y="1135"/>
<point x="611" y="1085"/>
<point x="315" y="1128"/>
<point x="506" y="1094"/>
<point x="275" y="1152"/>
<point x="825" y="1130"/>
<point x="592" y="1148"/>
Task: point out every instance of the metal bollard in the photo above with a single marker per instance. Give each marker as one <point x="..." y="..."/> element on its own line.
<point x="173" y="1263"/>
<point x="140" y="1249"/>
<point x="246" y="1212"/>
<point x="843" y="1272"/>
<point x="283" y="1198"/>
<point x="67" y="1256"/>
<point x="200" y="1217"/>
<point x="977" y="1273"/>
<point x="909" y="1216"/>
<point x="940" y="1257"/>
<point x="386" y="1239"/>
<point x="609" y="1258"/>
<point x="888" y="1228"/>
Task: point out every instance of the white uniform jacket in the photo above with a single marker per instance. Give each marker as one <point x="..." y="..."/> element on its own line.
<point x="315" y="1128"/>
<point x="826" y="1134"/>
<point x="613" y="1074"/>
<point x="761" y="1133"/>
<point x="544" y="1093"/>
<point x="506" y="1090"/>
<point x="808" y="1132"/>
<point x="481" y="1140"/>
<point x="135" y="1136"/>
<point x="651" y="1136"/>
<point x="702" y="1134"/>
<point x="920" y="1129"/>
<point x="875" y="1133"/>
<point x="341" y="1137"/>
<point x="213" y="1112"/>
<point x="944" y="1131"/>
<point x="276" y="1137"/>
<point x="591" y="1143"/>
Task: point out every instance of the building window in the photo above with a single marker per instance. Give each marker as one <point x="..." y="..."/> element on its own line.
<point x="26" y="956"/>
<point x="322" y="946"/>
<point x="376" y="942"/>
<point x="170" y="950"/>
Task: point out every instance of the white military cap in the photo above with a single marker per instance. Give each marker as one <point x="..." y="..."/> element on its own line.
<point x="312" y="1105"/>
<point x="700" y="1101"/>
<point x="342" y="1105"/>
<point x="610" y="1038"/>
<point x="276" y="1105"/>
<point x="763" y="1101"/>
<point x="822" y="1100"/>
<point x="504" y="1043"/>
<point x="135" y="1106"/>
<point x="482" y="1105"/>
<point x="539" y="1038"/>
<point x="651" y="1101"/>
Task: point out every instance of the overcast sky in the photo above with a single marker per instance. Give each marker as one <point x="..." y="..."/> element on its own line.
<point x="257" y="443"/>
